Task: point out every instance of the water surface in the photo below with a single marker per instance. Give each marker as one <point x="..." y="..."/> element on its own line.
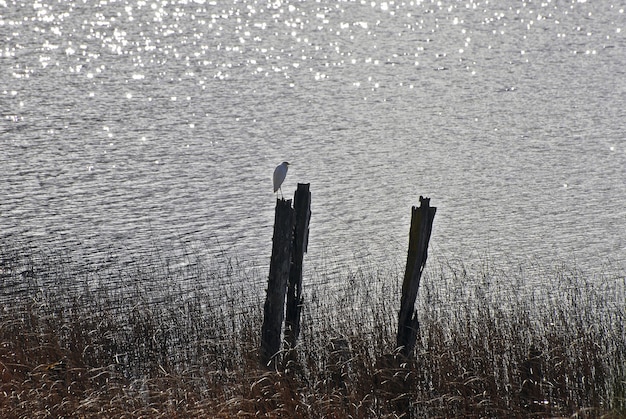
<point x="130" y="124"/>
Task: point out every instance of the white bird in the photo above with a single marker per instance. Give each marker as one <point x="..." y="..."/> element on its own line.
<point x="279" y="176"/>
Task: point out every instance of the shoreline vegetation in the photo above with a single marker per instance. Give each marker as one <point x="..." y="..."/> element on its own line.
<point x="156" y="339"/>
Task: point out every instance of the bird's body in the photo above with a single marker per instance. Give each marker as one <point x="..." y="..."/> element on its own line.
<point x="279" y="176"/>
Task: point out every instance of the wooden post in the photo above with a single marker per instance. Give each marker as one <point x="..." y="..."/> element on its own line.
<point x="302" y="207"/>
<point x="531" y="375"/>
<point x="274" y="309"/>
<point x="421" y="226"/>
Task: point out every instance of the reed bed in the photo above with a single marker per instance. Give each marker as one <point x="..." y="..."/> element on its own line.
<point x="162" y="338"/>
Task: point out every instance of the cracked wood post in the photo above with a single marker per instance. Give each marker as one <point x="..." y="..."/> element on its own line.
<point x="302" y="207"/>
<point x="274" y="309"/>
<point x="421" y="226"/>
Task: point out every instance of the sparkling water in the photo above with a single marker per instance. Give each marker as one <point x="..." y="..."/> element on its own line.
<point x="130" y="124"/>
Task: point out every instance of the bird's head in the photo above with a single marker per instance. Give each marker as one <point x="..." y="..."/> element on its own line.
<point x="286" y="163"/>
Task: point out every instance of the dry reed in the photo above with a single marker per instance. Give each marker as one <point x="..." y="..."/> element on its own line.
<point x="158" y="339"/>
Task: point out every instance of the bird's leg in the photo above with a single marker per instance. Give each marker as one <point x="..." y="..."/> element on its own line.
<point x="281" y="192"/>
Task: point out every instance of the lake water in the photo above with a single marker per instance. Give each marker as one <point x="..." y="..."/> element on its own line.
<point x="127" y="125"/>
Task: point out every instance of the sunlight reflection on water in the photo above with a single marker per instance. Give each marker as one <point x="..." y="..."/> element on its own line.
<point x="134" y="122"/>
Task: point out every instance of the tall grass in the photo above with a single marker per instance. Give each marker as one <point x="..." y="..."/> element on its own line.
<point x="158" y="338"/>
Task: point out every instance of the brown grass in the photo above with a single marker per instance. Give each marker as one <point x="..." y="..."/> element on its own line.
<point x="157" y="339"/>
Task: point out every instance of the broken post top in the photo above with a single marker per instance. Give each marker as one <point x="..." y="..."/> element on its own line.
<point x="302" y="190"/>
<point x="303" y="186"/>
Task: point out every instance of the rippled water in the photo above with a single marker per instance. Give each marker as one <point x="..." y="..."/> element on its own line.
<point x="130" y="123"/>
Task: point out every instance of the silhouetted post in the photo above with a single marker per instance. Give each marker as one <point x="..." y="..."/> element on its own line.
<point x="274" y="309"/>
<point x="531" y="375"/>
<point x="302" y="206"/>
<point x="421" y="226"/>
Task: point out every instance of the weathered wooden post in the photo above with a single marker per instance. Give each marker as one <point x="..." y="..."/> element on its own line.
<point x="302" y="207"/>
<point x="421" y="226"/>
<point x="274" y="309"/>
<point x="531" y="375"/>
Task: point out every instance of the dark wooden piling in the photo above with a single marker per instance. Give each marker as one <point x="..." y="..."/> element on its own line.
<point x="302" y="207"/>
<point x="421" y="226"/>
<point x="274" y="309"/>
<point x="531" y="375"/>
